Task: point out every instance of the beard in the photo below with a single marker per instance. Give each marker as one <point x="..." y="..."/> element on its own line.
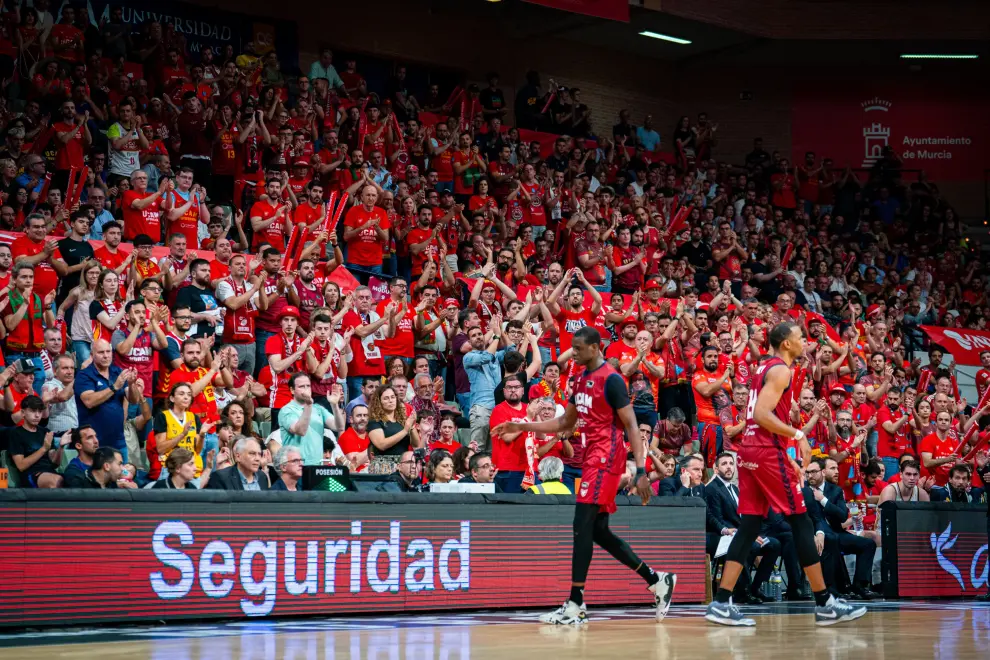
<point x="843" y="432"/>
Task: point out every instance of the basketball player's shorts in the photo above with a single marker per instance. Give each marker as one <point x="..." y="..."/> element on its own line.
<point x="599" y="487"/>
<point x="766" y="480"/>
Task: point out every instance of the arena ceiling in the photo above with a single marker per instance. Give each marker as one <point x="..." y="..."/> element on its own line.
<point x="759" y="33"/>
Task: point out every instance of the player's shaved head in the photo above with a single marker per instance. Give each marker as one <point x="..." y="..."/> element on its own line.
<point x="588" y="335"/>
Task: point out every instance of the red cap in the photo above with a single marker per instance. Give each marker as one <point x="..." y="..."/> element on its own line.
<point x="488" y="285"/>
<point x="652" y="284"/>
<point x="451" y="302"/>
<point x="300" y="162"/>
<point x="839" y="389"/>
<point x="872" y="310"/>
<point x="290" y="311"/>
<point x="631" y="320"/>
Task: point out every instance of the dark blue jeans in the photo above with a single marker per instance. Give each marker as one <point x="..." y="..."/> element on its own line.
<point x="510" y="481"/>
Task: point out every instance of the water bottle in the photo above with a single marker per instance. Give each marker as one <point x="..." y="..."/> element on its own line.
<point x="776" y="586"/>
<point x="857" y="518"/>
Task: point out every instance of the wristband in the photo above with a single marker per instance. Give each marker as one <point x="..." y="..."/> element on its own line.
<point x="640" y="472"/>
<point x="799" y="435"/>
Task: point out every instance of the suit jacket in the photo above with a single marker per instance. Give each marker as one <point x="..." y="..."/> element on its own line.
<point x="814" y="510"/>
<point x="228" y="479"/>
<point x="945" y="494"/>
<point x="723" y="512"/>
<point x="669" y="487"/>
<point x="834" y="511"/>
<point x="693" y="491"/>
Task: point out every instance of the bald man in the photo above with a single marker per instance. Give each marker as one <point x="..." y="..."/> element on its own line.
<point x="100" y="392"/>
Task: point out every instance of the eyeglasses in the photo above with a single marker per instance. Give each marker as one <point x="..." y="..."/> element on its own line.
<point x="407" y="462"/>
<point x="182" y="318"/>
<point x="294" y="460"/>
<point x="486" y="466"/>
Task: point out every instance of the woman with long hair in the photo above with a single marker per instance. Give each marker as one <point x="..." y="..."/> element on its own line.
<point x="390" y="431"/>
<point x="106" y="311"/>
<point x="462" y="462"/>
<point x="176" y="427"/>
<point x="181" y="467"/>
<point x="482" y="199"/>
<point x="440" y="467"/>
<point x="236" y="415"/>
<point x="80" y="298"/>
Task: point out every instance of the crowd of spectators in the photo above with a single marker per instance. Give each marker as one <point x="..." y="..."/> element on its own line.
<point x="445" y="300"/>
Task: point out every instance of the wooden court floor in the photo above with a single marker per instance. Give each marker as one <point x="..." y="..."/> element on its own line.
<point x="943" y="631"/>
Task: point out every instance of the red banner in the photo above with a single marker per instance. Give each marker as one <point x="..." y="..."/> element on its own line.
<point x="963" y="344"/>
<point x="942" y="133"/>
<point x="615" y="10"/>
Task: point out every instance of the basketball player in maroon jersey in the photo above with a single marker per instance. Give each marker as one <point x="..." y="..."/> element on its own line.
<point x="600" y="408"/>
<point x="768" y="477"/>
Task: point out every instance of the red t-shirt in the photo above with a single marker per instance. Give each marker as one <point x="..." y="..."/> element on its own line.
<point x="365" y="249"/>
<point x="401" y="343"/>
<point x="443" y="164"/>
<point x="279" y="394"/>
<point x="432" y="251"/>
<point x="146" y="221"/>
<point x="108" y="260"/>
<point x="889" y="445"/>
<point x="45" y="277"/>
<point x="939" y="448"/>
<point x="515" y="456"/>
<point x="569" y="322"/>
<point x="70" y="154"/>
<point x="351" y="443"/>
<point x="368" y="359"/>
<point x="273" y="233"/>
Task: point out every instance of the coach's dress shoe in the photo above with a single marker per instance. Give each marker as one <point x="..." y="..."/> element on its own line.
<point x="860" y="592"/>
<point x="747" y="599"/>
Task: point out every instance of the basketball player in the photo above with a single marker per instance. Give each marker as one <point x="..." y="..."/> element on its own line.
<point x="600" y="408"/>
<point x="768" y="477"/>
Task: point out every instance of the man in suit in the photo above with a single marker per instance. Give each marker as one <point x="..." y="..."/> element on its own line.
<point x="957" y="489"/>
<point x="692" y="475"/>
<point x="823" y="477"/>
<point x="723" y="519"/>
<point x="245" y="473"/>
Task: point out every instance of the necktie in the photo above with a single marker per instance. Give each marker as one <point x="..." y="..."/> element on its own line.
<point x="735" y="493"/>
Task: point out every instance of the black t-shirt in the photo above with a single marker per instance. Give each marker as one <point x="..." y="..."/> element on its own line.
<point x="73" y="254"/>
<point x="77" y="479"/>
<point x="697" y="256"/>
<point x="389" y="429"/>
<point x="167" y="484"/>
<point x="198" y="300"/>
<point x="24" y="443"/>
<point x="492" y="99"/>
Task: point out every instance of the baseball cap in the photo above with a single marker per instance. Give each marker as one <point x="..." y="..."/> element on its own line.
<point x="300" y="162"/>
<point x="873" y="310"/>
<point x="839" y="389"/>
<point x="451" y="302"/>
<point x="290" y="311"/>
<point x="24" y="366"/>
<point x="652" y="284"/>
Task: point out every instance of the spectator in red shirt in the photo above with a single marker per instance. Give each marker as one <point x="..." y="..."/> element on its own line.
<point x="365" y="231"/>
<point x="73" y="139"/>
